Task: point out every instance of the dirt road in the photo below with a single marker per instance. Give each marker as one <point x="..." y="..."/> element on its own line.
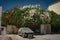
<point x="38" y="37"/>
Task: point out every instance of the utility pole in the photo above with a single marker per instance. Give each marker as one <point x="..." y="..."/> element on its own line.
<point x="0" y="17"/>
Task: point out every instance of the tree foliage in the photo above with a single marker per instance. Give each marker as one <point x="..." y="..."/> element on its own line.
<point x="30" y="16"/>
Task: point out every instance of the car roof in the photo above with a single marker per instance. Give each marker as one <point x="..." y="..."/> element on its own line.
<point x="25" y="29"/>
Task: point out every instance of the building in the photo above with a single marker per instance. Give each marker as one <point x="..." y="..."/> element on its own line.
<point x="55" y="7"/>
<point x="2" y="28"/>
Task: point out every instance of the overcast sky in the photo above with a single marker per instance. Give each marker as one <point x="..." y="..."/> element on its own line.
<point x="8" y="4"/>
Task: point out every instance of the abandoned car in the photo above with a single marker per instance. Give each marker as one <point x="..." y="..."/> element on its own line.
<point x="25" y="32"/>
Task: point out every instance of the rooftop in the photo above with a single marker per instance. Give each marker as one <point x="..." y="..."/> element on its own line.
<point x="54" y="2"/>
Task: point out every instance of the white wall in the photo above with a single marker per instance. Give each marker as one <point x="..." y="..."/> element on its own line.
<point x="55" y="7"/>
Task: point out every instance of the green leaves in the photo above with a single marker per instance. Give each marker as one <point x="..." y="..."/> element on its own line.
<point x="55" y="18"/>
<point x="30" y="16"/>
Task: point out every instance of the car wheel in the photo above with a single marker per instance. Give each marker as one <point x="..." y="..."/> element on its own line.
<point x="30" y="36"/>
<point x="23" y="35"/>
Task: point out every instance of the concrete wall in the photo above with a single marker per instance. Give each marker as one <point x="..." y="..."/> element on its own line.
<point x="45" y="28"/>
<point x="12" y="29"/>
<point x="55" y="7"/>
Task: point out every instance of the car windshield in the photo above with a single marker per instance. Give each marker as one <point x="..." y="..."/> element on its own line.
<point x="27" y="29"/>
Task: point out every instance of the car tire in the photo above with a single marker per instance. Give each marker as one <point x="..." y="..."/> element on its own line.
<point x="23" y="35"/>
<point x="30" y="36"/>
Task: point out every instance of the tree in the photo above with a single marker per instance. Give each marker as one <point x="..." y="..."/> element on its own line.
<point x="55" y="22"/>
<point x="18" y="16"/>
<point x="30" y="16"/>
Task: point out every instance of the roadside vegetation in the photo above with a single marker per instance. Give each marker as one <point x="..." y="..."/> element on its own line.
<point x="30" y="16"/>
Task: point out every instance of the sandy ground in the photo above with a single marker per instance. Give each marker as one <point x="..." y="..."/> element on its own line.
<point x="38" y="37"/>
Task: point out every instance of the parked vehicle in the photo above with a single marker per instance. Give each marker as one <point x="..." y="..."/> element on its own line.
<point x="25" y="32"/>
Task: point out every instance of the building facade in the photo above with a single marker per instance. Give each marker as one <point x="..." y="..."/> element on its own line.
<point x="55" y="7"/>
<point x="2" y="28"/>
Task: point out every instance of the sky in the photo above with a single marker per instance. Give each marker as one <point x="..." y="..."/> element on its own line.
<point x="8" y="4"/>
